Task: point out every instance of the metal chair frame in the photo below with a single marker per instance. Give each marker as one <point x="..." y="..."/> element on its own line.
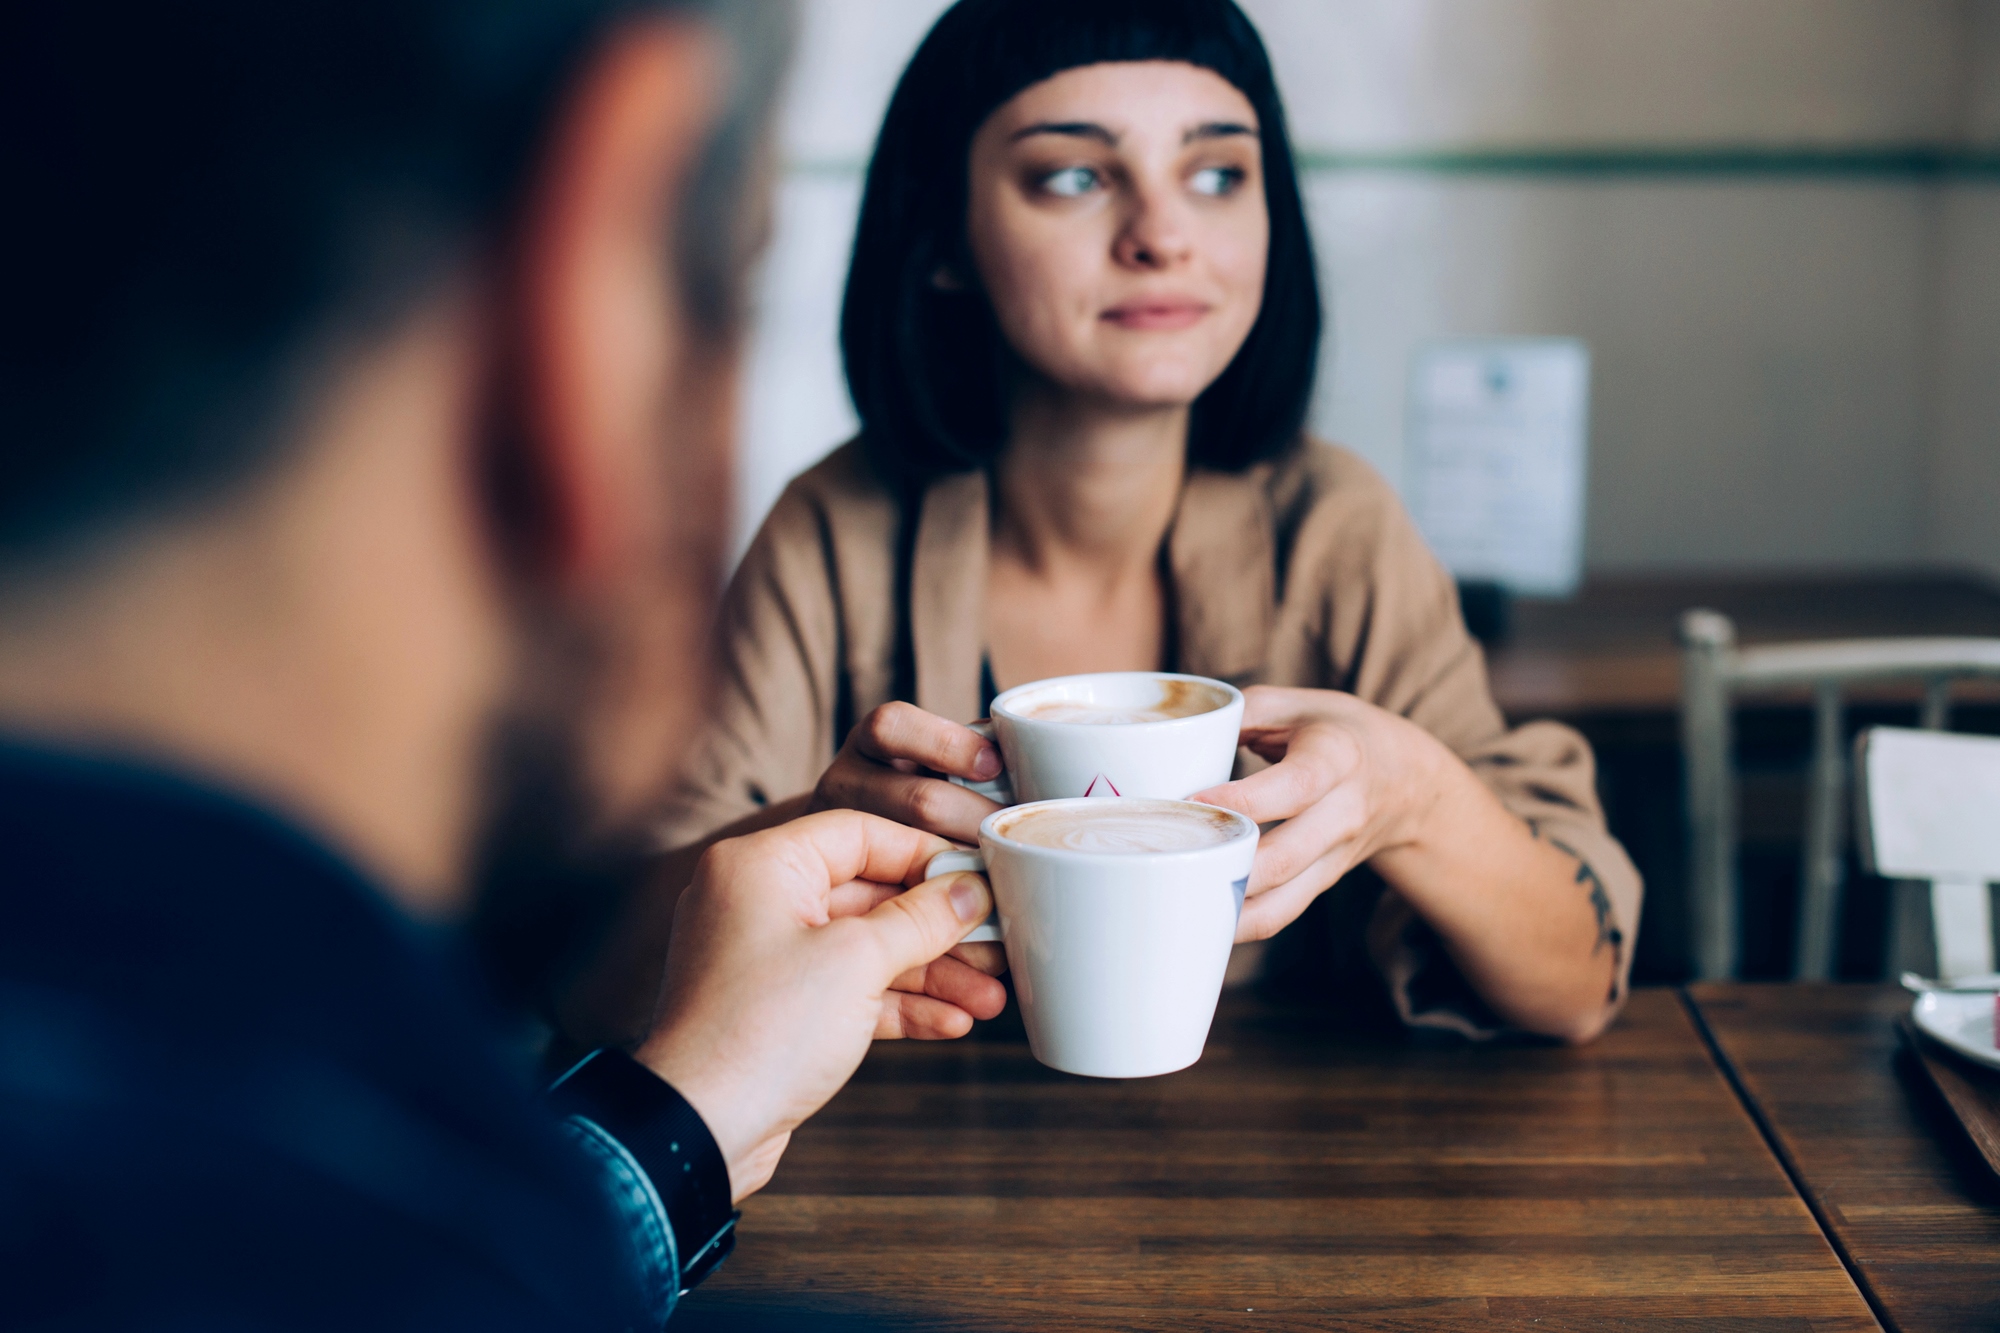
<point x="1714" y="671"/>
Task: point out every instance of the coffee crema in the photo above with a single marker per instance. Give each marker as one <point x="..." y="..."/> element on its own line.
<point x="1126" y="827"/>
<point x="1175" y="698"/>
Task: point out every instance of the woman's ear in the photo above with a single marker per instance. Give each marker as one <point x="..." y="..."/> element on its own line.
<point x="944" y="278"/>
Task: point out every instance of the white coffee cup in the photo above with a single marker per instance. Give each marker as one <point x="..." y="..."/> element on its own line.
<point x="1117" y="956"/>
<point x="1171" y="757"/>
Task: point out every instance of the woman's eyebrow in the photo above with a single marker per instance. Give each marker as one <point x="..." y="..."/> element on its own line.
<point x="1077" y="129"/>
<point x="1218" y="129"/>
<point x="1090" y="129"/>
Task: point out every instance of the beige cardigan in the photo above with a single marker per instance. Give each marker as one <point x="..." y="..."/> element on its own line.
<point x="1303" y="572"/>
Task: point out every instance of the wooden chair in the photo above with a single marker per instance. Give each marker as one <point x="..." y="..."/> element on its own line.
<point x="1929" y="810"/>
<point x="1713" y="672"/>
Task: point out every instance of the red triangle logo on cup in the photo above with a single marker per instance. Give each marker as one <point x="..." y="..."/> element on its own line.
<point x="1100" y="781"/>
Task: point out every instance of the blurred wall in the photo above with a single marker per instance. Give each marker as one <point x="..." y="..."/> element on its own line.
<point x="1965" y="472"/>
<point x="1796" y="328"/>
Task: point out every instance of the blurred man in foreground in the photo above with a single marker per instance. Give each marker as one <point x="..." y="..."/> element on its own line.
<point x="366" y="392"/>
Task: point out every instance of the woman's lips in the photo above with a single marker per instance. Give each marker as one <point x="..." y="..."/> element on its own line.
<point x="1155" y="316"/>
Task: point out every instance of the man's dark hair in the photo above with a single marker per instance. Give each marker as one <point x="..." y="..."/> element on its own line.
<point x="928" y="368"/>
<point x="211" y="197"/>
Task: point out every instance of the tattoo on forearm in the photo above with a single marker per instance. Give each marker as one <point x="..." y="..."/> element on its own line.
<point x="1600" y="901"/>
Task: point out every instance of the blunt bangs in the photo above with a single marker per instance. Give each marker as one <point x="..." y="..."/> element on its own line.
<point x="927" y="368"/>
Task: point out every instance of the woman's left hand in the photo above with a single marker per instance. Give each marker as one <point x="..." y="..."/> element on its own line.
<point x="1350" y="781"/>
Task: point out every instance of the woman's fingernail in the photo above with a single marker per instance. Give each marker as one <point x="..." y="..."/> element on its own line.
<point x="987" y="765"/>
<point x="969" y="898"/>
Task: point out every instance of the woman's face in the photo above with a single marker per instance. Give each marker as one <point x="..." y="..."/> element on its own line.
<point x="1117" y="220"/>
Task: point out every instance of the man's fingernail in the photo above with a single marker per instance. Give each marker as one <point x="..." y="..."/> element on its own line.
<point x="968" y="898"/>
<point x="987" y="765"/>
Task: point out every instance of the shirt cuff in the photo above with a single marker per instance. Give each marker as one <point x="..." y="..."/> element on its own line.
<point x="650" y="1235"/>
<point x="665" y="1174"/>
<point x="1424" y="983"/>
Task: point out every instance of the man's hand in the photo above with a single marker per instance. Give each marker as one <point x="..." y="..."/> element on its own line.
<point x="792" y="950"/>
<point x="1350" y="781"/>
<point x="894" y="764"/>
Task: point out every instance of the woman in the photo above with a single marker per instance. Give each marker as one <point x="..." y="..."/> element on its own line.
<point x="1080" y="329"/>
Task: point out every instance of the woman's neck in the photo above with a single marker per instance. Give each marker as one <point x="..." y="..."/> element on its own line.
<point x="1087" y="487"/>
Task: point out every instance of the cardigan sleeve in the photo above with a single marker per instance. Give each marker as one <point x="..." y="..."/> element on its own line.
<point x="1393" y="634"/>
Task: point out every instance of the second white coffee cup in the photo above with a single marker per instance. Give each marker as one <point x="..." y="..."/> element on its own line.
<point x="1113" y="733"/>
<point x="1117" y="953"/>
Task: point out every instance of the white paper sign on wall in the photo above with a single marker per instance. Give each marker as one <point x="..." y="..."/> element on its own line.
<point x="1497" y="442"/>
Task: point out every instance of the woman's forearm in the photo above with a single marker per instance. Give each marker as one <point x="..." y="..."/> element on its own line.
<point x="1525" y="921"/>
<point x="610" y="1001"/>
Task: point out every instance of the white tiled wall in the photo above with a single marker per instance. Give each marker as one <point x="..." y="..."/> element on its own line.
<point x="1788" y="371"/>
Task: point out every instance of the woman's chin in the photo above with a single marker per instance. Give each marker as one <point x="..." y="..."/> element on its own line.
<point x="1155" y="384"/>
<point x="1176" y="393"/>
<point x="1128" y="400"/>
<point x="1146" y="388"/>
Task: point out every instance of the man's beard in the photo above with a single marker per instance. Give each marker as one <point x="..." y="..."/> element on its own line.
<point x="548" y="878"/>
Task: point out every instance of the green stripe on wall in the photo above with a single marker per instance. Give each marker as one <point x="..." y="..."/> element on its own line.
<point x="1911" y="162"/>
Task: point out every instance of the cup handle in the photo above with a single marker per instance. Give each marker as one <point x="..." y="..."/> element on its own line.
<point x="945" y="863"/>
<point x="997" y="789"/>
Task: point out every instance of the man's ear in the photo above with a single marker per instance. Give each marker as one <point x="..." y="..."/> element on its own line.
<point x="600" y="330"/>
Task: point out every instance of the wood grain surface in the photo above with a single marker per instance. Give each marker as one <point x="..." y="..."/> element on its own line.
<point x="1971" y="1091"/>
<point x="1883" y="1160"/>
<point x="1298" y="1177"/>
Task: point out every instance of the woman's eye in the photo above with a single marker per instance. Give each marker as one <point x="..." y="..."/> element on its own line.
<point x="1070" y="182"/>
<point x="1218" y="180"/>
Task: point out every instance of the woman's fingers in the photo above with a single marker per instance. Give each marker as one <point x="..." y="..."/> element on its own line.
<point x="1335" y="824"/>
<point x="1316" y="758"/>
<point x="1271" y="911"/>
<point x="931" y="804"/>
<point x="884" y="769"/>
<point x="1265" y="916"/>
<point x="903" y="731"/>
<point x="1277" y="707"/>
<point x="1345" y="778"/>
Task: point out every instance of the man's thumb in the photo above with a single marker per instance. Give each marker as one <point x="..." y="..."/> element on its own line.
<point x="917" y="926"/>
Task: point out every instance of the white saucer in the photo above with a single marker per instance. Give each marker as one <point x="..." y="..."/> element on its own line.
<point x="1962" y="1022"/>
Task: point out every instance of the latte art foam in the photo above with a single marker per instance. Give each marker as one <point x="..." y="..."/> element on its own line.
<point x="1123" y="828"/>
<point x="1171" y="699"/>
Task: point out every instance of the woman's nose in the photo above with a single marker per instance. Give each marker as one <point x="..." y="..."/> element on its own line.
<point x="1153" y="236"/>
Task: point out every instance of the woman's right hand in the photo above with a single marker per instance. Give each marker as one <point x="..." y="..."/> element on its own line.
<point x="894" y="763"/>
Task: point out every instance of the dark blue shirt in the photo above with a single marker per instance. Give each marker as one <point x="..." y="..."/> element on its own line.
<point x="239" y="1090"/>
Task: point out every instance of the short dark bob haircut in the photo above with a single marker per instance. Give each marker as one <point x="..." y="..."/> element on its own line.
<point x="928" y="369"/>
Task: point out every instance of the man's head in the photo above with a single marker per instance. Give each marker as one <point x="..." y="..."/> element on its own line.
<point x="367" y="382"/>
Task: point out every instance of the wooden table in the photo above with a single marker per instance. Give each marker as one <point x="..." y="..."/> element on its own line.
<point x="1611" y="649"/>
<point x="1299" y="1177"/>
<point x="1875" y="1151"/>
